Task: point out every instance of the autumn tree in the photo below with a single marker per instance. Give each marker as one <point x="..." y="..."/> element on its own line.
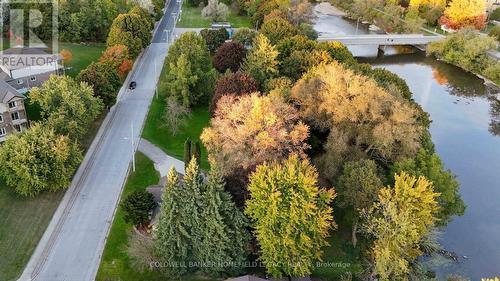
<point x="180" y="79"/>
<point x="194" y="49"/>
<point x="175" y="115"/>
<point x="38" y="159"/>
<point x="69" y="107"/>
<point x="132" y="31"/>
<point x="300" y="11"/>
<point x="235" y="84"/>
<point x="244" y="36"/>
<point x="357" y="188"/>
<point x="277" y="29"/>
<point x="249" y="130"/>
<point x="103" y="79"/>
<point x="429" y="165"/>
<point x="214" y="38"/>
<point x="291" y="216"/>
<point x="118" y="58"/>
<point x="461" y="13"/>
<point x="402" y="217"/>
<point x="66" y="55"/>
<point x="215" y="11"/>
<point x="229" y="55"/>
<point x="261" y="61"/>
<point x="363" y="120"/>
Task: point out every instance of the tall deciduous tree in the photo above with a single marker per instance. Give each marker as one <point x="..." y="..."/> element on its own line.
<point x="358" y="188"/>
<point x="118" y="58"/>
<point x="229" y="55"/>
<point x="277" y="29"/>
<point x="68" y="106"/>
<point x="261" y="62"/>
<point x="103" y="79"/>
<point x="253" y="129"/>
<point x="291" y="216"/>
<point x="180" y="80"/>
<point x="430" y="166"/>
<point x="215" y="10"/>
<point x="398" y="222"/>
<point x="194" y="48"/>
<point x="363" y="120"/>
<point x="461" y="13"/>
<point x="38" y="159"/>
<point x="235" y="84"/>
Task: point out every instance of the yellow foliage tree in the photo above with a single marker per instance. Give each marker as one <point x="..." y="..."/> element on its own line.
<point x="461" y="13"/>
<point x="399" y="220"/>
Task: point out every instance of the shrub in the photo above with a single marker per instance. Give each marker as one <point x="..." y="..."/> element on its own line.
<point x="137" y="206"/>
<point x="495" y="32"/>
<point x="214" y="38"/>
<point x="229" y="55"/>
<point x="236" y="84"/>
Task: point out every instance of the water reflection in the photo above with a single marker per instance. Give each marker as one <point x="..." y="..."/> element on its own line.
<point x="465" y="130"/>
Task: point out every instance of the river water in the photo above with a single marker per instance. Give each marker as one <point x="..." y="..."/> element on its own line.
<point x="465" y="116"/>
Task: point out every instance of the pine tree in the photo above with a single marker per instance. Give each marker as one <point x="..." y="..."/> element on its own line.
<point x="196" y="152"/>
<point x="173" y="244"/>
<point x="224" y="239"/>
<point x="187" y="152"/>
<point x="190" y="200"/>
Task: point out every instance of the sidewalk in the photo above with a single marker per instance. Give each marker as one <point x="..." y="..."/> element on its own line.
<point x="162" y="161"/>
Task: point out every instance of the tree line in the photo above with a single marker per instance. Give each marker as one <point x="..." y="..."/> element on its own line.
<point x="301" y="131"/>
<point x="45" y="156"/>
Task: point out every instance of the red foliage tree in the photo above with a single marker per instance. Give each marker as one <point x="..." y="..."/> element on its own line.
<point x="237" y="84"/>
<point x="478" y="22"/>
<point x="229" y="55"/>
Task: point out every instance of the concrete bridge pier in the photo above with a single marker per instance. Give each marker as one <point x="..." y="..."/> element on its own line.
<point x="381" y="50"/>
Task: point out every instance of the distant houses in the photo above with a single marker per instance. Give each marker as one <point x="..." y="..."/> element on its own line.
<point x="20" y="70"/>
<point x="12" y="112"/>
<point x="24" y="68"/>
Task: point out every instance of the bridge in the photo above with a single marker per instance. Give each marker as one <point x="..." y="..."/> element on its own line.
<point x="383" y="39"/>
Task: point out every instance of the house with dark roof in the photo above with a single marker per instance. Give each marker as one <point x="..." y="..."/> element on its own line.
<point x="12" y="112"/>
<point x="23" y="68"/>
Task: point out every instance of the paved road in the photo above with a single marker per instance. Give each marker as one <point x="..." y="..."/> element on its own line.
<point x="71" y="247"/>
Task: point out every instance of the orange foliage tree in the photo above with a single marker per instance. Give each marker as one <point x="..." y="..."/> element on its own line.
<point x="118" y="58"/>
<point x="66" y="55"/>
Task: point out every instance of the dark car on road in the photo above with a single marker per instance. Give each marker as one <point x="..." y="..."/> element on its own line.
<point x="132" y="85"/>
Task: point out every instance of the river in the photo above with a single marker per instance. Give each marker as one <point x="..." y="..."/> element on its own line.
<point x="465" y="116"/>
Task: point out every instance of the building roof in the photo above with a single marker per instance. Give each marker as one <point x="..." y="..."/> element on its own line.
<point x="7" y="92"/>
<point x="25" y="52"/>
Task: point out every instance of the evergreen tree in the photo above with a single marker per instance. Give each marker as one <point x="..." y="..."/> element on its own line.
<point x="180" y="79"/>
<point x="173" y="244"/>
<point x="187" y="152"/>
<point x="224" y="239"/>
<point x="196" y="152"/>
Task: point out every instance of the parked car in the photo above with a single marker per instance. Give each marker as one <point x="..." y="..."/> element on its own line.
<point x="132" y="85"/>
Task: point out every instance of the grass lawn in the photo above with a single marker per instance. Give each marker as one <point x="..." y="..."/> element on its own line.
<point x="83" y="55"/>
<point x="22" y="223"/>
<point x="116" y="264"/>
<point x="191" y="18"/>
<point x="158" y="134"/>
